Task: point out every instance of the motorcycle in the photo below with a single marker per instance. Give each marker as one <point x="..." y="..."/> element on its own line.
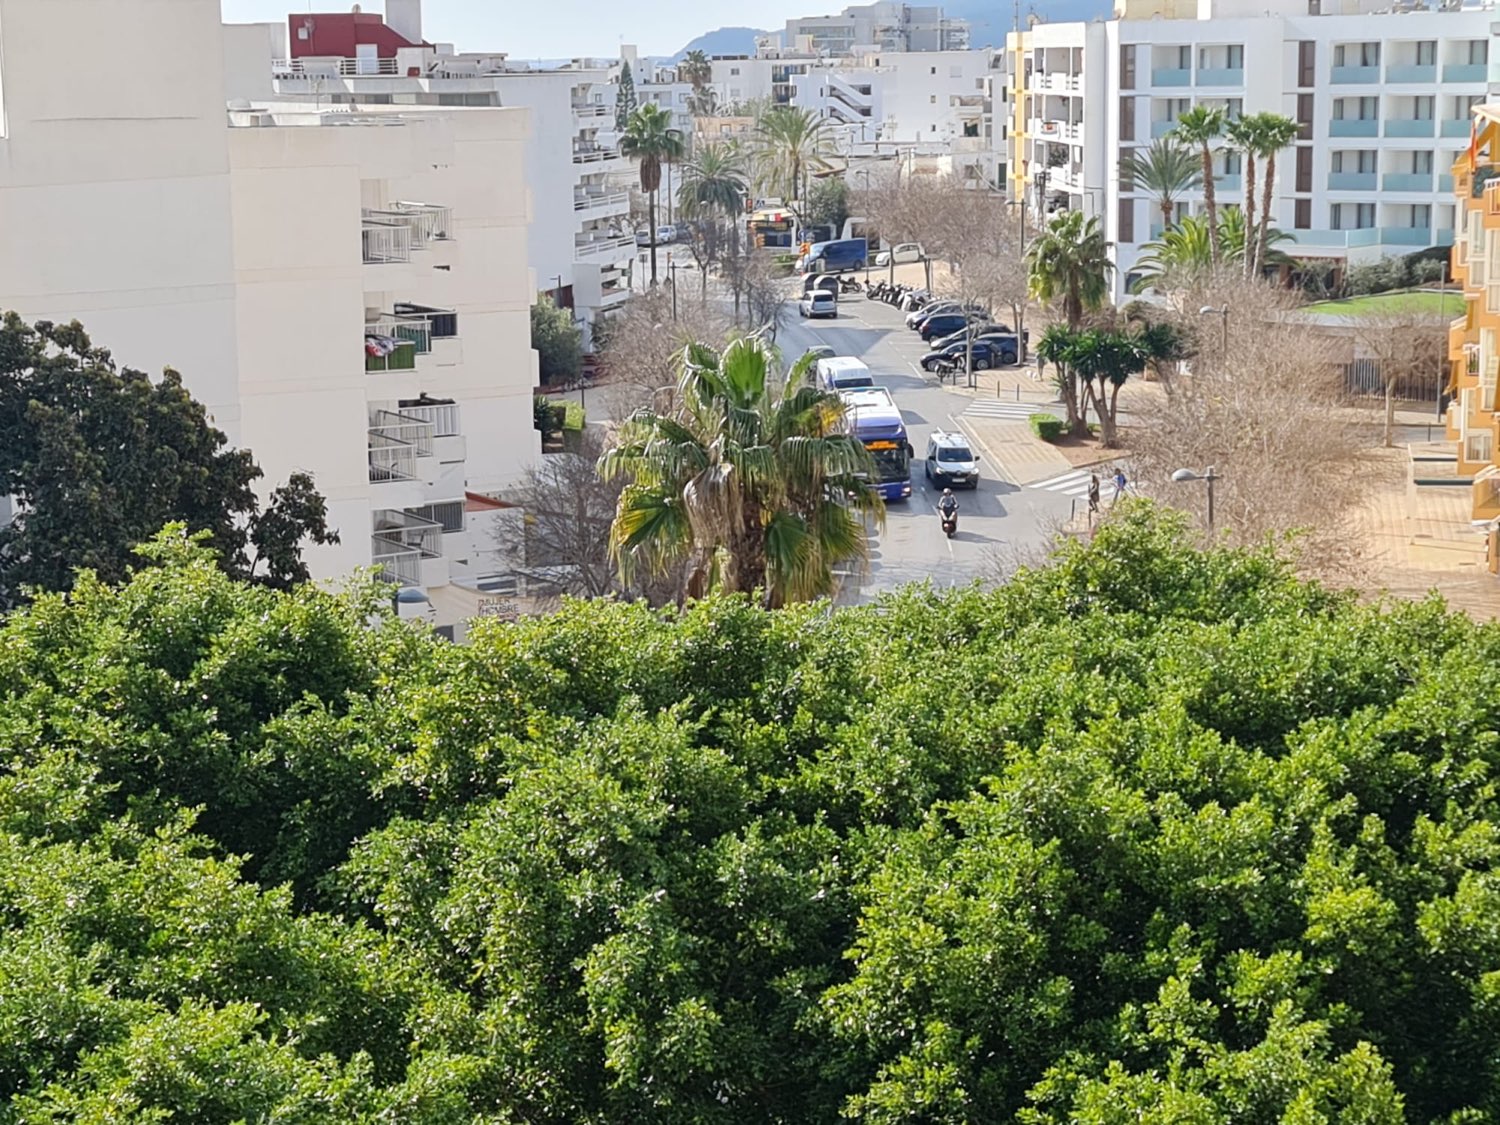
<point x="849" y="285"/>
<point x="876" y="291"/>
<point x="950" y="521"/>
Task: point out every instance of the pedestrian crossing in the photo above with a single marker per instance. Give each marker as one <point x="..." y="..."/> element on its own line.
<point x="1007" y="411"/>
<point x="1075" y="483"/>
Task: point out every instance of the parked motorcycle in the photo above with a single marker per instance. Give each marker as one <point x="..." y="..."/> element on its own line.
<point x="849" y="285"/>
<point x="876" y="291"/>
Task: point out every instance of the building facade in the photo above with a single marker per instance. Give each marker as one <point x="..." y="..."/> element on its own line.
<point x="885" y="25"/>
<point x="344" y="289"/>
<point x="1382" y="99"/>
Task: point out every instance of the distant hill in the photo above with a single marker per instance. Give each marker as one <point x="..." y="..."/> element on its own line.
<point x="724" y="41"/>
<point x="991" y="19"/>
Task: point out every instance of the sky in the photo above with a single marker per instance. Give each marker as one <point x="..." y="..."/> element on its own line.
<point x="561" y="28"/>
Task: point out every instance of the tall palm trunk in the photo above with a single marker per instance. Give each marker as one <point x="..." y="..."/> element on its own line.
<point x="1211" y="204"/>
<point x="1249" y="252"/>
<point x="1164" y="201"/>
<point x="1265" y="214"/>
<point x="651" y="213"/>
<point x="1078" y="418"/>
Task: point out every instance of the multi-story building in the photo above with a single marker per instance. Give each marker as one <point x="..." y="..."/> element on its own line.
<point x="1382" y="98"/>
<point x="344" y="289"/>
<point x="1473" y="418"/>
<point x="580" y="243"/>
<point x="885" y="25"/>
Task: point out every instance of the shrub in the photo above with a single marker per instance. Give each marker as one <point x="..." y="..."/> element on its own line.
<point x="1046" y="427"/>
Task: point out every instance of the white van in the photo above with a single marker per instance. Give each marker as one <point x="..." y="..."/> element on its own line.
<point x="843" y="373"/>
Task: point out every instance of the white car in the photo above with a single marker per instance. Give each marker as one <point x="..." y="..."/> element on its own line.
<point x="665" y="235"/>
<point x="819" y="303"/>
<point x="903" y="252"/>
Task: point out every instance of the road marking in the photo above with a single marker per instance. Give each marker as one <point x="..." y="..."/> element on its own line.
<point x="1075" y="483"/>
<point x="1001" y="472"/>
<point x="1018" y="411"/>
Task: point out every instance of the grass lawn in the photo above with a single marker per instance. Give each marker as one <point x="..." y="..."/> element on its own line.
<point x="1450" y="303"/>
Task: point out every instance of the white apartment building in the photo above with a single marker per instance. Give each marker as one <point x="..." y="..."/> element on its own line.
<point x="580" y="243"/>
<point x="1382" y="97"/>
<point x="885" y="25"/>
<point x="271" y="256"/>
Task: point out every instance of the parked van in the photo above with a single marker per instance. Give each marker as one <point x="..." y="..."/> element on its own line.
<point x="843" y="373"/>
<point x="836" y="257"/>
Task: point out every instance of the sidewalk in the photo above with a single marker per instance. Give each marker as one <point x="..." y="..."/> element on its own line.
<point x="1007" y="440"/>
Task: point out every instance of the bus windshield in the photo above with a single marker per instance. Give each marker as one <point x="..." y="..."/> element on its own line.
<point x="892" y="461"/>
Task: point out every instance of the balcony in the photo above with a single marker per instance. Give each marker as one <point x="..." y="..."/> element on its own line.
<point x="1407" y="181"/>
<point x="427" y="222"/>
<point x="602" y="246"/>
<point x="384" y="242"/>
<point x="587" y="152"/>
<point x="1337" y="239"/>
<point x="1354" y="127"/>
<point x="1410" y="127"/>
<point x="1229" y="181"/>
<point x="442" y="323"/>
<point x="1465" y="72"/>
<point x="601" y="201"/>
<point x="1163" y="127"/>
<point x="1172" y="76"/>
<point x="1221" y="76"/>
<point x="593" y="114"/>
<point x="1413" y="73"/>
<point x="395" y="442"/>
<point x="399" y="565"/>
<point x="1455" y="127"/>
<point x="1445" y="183"/>
<point x="1442" y="238"/>
<point x="1406" y="236"/>
<point x="1352" y="181"/>
<point x="1349" y="75"/>
<point x="393" y="343"/>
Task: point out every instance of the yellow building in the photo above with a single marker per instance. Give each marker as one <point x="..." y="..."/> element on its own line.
<point x="1473" y="421"/>
<point x="1018" y="47"/>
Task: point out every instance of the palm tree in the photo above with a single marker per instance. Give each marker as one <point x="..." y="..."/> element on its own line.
<point x="1201" y="126"/>
<point x="788" y="144"/>
<point x="1068" y="263"/>
<point x="1274" y="133"/>
<point x="1167" y="169"/>
<point x="753" y="482"/>
<point x="650" y="138"/>
<point x="1244" y="134"/>
<point x="714" y="185"/>
<point x="1184" y="254"/>
<point x="695" y="69"/>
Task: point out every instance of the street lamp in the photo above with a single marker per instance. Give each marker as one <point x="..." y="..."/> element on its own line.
<point x="1223" y="315"/>
<point x="1182" y="476"/>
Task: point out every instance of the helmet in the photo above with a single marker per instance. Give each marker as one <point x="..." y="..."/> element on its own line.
<point x="947" y="492"/>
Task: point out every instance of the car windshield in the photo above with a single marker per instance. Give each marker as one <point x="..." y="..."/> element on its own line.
<point x="954" y="453"/>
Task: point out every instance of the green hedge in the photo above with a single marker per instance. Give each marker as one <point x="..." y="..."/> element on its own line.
<point x="1046" y="427"/>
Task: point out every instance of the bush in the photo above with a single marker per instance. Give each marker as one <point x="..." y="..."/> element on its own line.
<point x="558" y="343"/>
<point x="1046" y="427"/>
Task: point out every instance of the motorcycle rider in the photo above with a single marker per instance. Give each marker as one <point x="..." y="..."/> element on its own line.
<point x="948" y="505"/>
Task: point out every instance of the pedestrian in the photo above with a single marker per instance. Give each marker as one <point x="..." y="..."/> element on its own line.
<point x="1121" y="484"/>
<point x="1093" y="494"/>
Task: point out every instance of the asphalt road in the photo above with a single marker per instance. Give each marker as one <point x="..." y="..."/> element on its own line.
<point x="998" y="523"/>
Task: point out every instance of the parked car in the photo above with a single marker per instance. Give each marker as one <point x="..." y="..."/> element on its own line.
<point x="643" y="237"/>
<point x="902" y="252"/>
<point x="943" y="324"/>
<point x="834" y="257"/>
<point x="817" y="304"/>
<point x="950" y="462"/>
<point x="975" y="330"/>
<point x="915" y="318"/>
<point x="665" y="234"/>
<point x="989" y="351"/>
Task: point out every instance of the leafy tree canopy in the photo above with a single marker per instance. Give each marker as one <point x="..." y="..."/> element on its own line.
<point x="100" y="458"/>
<point x="1176" y="838"/>
<point x="558" y="344"/>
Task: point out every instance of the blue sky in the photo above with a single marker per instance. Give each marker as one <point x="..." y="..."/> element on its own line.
<point x="561" y="28"/>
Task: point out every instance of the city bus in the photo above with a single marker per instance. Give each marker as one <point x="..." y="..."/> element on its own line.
<point x="873" y="418"/>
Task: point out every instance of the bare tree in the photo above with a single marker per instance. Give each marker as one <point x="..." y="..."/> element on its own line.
<point x="1269" y="417"/>
<point x="1408" y="346"/>
<point x="569" y="511"/>
<point x="765" y="295"/>
<point x="642" y="343"/>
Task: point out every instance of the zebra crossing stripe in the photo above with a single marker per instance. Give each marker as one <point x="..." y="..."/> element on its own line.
<point x="1071" y="484"/>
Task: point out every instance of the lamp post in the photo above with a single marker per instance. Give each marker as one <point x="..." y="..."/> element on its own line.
<point x="1223" y="315"/>
<point x="672" y="268"/>
<point x="1181" y="476"/>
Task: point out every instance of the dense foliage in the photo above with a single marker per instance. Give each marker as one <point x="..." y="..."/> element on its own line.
<point x="558" y="343"/>
<point x="100" y="457"/>
<point x="1145" y="836"/>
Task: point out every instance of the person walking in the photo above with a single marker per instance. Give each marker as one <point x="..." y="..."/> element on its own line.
<point x="1121" y="484"/>
<point x="1093" y="494"/>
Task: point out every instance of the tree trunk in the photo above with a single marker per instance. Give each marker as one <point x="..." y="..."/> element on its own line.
<point x="1018" y="312"/>
<point x="1265" y="213"/>
<point x="1390" y="411"/>
<point x="1110" y="430"/>
<point x="1165" y="202"/>
<point x="1248" y="251"/>
<point x="651" y="212"/>
<point x="1211" y="205"/>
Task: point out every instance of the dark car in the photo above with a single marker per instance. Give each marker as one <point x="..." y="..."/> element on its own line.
<point x="943" y="324"/>
<point x="992" y="351"/>
<point x="975" y="330"/>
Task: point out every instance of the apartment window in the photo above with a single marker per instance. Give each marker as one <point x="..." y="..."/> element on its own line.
<point x="734" y="72"/>
<point x="1305" y="117"/>
<point x="1302" y="214"/>
<point x="1304" y="169"/>
<point x="1127" y="178"/>
<point x="1127" y="119"/>
<point x="1352" y="216"/>
<point x="932" y="99"/>
<point x="1427" y="52"/>
<point x="1421" y="107"/>
<point x="934" y="71"/>
<point x="1356" y="54"/>
<point x="450" y="514"/>
<point x="1421" y="163"/>
<point x="1127" y="221"/>
<point x="1420" y="216"/>
<point x="1233" y="57"/>
<point x="1356" y="109"/>
<point x="1307" y="60"/>
<point x="1354" y="160"/>
<point x="1127" y="66"/>
<point x="1479" y="52"/>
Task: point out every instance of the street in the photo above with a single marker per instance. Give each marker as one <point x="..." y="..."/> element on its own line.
<point x="998" y="522"/>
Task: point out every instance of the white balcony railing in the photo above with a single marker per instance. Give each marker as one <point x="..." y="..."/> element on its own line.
<point x="589" y="200"/>
<point x="416" y="329"/>
<point x="588" y="111"/>
<point x="595" y="247"/>
<point x="400" y="565"/>
<point x="385" y="241"/>
<point x="431" y="222"/>
<point x="442" y="417"/>
<point x="328" y="67"/>
<point x="390" y="459"/>
<point x="404" y="428"/>
<point x="594" y="154"/>
<point x="408" y="532"/>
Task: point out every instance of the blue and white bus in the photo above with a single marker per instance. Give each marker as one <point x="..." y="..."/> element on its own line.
<point x="872" y="417"/>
